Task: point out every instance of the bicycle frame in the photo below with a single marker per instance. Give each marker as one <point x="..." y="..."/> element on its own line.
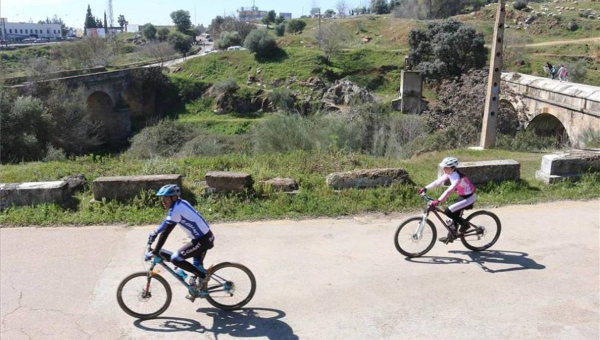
<point x="437" y="211"/>
<point x="161" y="259"/>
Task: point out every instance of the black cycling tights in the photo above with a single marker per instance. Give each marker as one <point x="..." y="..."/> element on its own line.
<point x="197" y="249"/>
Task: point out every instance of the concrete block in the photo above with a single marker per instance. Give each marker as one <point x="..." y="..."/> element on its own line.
<point x="226" y="181"/>
<point x="127" y="187"/>
<point x="30" y="193"/>
<point x="483" y="172"/>
<point x="370" y="178"/>
<point x="280" y="184"/>
<point x="572" y="165"/>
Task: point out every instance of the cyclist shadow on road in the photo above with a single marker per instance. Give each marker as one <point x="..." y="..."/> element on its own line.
<point x="491" y="261"/>
<point x="244" y="323"/>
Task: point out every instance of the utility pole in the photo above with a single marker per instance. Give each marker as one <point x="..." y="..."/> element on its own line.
<point x="320" y="38"/>
<point x="490" y="115"/>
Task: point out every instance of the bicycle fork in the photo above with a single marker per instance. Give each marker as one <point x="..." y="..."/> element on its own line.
<point x="419" y="232"/>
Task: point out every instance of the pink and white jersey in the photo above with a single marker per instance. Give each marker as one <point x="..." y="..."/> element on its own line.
<point x="461" y="184"/>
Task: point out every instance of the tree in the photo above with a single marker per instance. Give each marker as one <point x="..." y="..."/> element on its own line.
<point x="181" y="19"/>
<point x="149" y="31"/>
<point x="333" y="38"/>
<point x="342" y="8"/>
<point x="121" y="20"/>
<point x="261" y="43"/>
<point x="99" y="23"/>
<point x="228" y="39"/>
<point x="230" y="24"/>
<point x="270" y="18"/>
<point x="295" y="26"/>
<point x="163" y="34"/>
<point x="329" y="13"/>
<point x="379" y="6"/>
<point x="56" y="20"/>
<point x="160" y="51"/>
<point x="105" y="24"/>
<point x="280" y="19"/>
<point x="280" y="30"/>
<point x="446" y="49"/>
<point x="182" y="43"/>
<point x="90" y="21"/>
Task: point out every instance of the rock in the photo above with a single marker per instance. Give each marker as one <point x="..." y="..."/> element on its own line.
<point x="259" y="70"/>
<point x="345" y="92"/>
<point x="76" y="182"/>
<point x="572" y="26"/>
<point x="277" y="82"/>
<point x="251" y="79"/>
<point x="314" y="82"/>
<point x="280" y="184"/>
<point x="529" y="19"/>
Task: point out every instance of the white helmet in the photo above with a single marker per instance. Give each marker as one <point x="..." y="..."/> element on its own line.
<point x="449" y="162"/>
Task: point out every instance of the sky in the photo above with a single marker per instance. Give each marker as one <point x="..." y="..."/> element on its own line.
<point x="154" y="11"/>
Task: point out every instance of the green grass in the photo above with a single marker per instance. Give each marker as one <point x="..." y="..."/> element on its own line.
<point x="309" y="169"/>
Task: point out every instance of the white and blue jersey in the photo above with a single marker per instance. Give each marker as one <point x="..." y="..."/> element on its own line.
<point x="188" y="218"/>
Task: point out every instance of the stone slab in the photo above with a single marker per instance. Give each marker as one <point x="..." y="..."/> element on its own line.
<point x="568" y="164"/>
<point x="368" y="178"/>
<point x="280" y="184"/>
<point x="31" y="193"/>
<point x="127" y="187"/>
<point x="482" y="172"/>
<point x="229" y="181"/>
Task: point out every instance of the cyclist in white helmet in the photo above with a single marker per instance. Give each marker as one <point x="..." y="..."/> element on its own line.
<point x="463" y="187"/>
<point x="181" y="212"/>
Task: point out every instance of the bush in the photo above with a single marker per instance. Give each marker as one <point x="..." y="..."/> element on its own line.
<point x="280" y="30"/>
<point x="149" y="31"/>
<point x="572" y="26"/>
<point x="282" y="99"/>
<point x="399" y="137"/>
<point x="165" y="139"/>
<point x="577" y="71"/>
<point x="180" y="42"/>
<point x="287" y="133"/>
<point x="519" y="5"/>
<point x="202" y="145"/>
<point x="226" y="86"/>
<point x="163" y="34"/>
<point x="527" y="141"/>
<point x="294" y="26"/>
<point x="54" y="154"/>
<point x="261" y="43"/>
<point x="228" y="39"/>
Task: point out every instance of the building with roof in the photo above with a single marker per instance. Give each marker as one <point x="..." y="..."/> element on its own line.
<point x="21" y="30"/>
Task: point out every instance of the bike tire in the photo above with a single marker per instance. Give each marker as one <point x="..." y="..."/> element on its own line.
<point x="136" y="314"/>
<point x="221" y="277"/>
<point x="479" y="218"/>
<point x="414" y="222"/>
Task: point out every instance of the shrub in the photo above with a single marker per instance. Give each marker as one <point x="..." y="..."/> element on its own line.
<point x="519" y="5"/>
<point x="162" y="140"/>
<point x="163" y="34"/>
<point x="54" y="154"/>
<point x="590" y="138"/>
<point x="180" y="42"/>
<point x="399" y="137"/>
<point x="159" y="166"/>
<point x="226" y="86"/>
<point x="527" y="141"/>
<point x="572" y="26"/>
<point x="202" y="145"/>
<point x="149" y="31"/>
<point x="261" y="43"/>
<point x="577" y="71"/>
<point x="282" y="99"/>
<point x="228" y="39"/>
<point x="286" y="133"/>
<point x="280" y="30"/>
<point x="295" y="26"/>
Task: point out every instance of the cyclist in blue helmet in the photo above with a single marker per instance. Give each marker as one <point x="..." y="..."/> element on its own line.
<point x="181" y="212"/>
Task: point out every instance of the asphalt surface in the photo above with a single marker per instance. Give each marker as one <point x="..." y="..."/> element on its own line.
<point x="320" y="279"/>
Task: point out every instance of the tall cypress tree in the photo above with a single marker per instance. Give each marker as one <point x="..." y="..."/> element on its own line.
<point x="90" y="21"/>
<point x="105" y="26"/>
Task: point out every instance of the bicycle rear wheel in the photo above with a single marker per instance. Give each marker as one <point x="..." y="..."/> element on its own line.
<point x="143" y="297"/>
<point x="408" y="243"/>
<point x="231" y="286"/>
<point x="486" y="233"/>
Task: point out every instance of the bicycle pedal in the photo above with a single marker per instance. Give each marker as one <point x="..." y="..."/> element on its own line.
<point x="190" y="297"/>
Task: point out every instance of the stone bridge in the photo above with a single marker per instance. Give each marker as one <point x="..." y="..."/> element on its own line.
<point x="115" y="98"/>
<point x="553" y="107"/>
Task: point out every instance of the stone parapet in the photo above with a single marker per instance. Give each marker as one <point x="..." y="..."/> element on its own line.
<point x="485" y="171"/>
<point x="127" y="187"/>
<point x="369" y="178"/>
<point x="31" y="193"/>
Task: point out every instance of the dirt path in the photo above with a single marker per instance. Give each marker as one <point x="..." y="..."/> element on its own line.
<point x="563" y="42"/>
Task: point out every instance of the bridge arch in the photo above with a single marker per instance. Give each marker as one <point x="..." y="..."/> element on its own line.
<point x="548" y="125"/>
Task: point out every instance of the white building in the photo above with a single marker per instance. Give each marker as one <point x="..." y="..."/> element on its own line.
<point x="22" y="30"/>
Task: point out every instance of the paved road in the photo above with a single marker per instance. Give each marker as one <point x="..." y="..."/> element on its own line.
<point x="320" y="279"/>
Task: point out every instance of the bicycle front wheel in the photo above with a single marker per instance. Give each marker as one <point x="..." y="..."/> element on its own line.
<point x="408" y="243"/>
<point x="483" y="232"/>
<point x="144" y="297"/>
<point x="231" y="286"/>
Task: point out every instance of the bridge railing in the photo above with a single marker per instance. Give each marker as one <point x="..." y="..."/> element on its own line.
<point x="53" y="75"/>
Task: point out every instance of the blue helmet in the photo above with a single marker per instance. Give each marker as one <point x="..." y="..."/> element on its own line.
<point x="169" y="190"/>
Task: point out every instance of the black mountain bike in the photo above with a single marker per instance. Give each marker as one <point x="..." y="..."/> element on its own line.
<point x="416" y="235"/>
